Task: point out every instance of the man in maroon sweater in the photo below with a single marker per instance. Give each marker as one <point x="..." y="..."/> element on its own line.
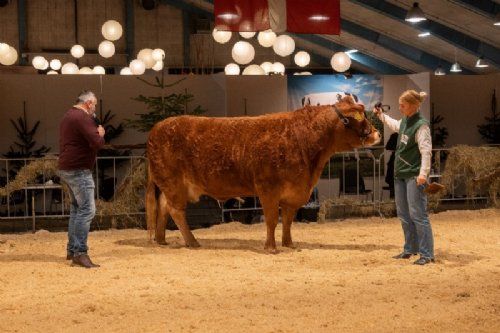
<point x="79" y="140"/>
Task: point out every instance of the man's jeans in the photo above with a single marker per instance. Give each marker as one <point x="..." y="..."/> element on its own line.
<point x="82" y="211"/>
<point x="411" y="204"/>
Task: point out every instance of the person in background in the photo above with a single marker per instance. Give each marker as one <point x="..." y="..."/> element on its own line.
<point x="411" y="169"/>
<point x="79" y="140"/>
<point x="389" y="175"/>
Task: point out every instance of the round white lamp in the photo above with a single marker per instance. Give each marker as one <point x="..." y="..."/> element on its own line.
<point x="55" y="64"/>
<point x="247" y="34"/>
<point x="125" y="71"/>
<point x="77" y="51"/>
<point x="266" y="38"/>
<point x="106" y="49"/>
<point x="4" y="49"/>
<point x="284" y="45"/>
<point x="9" y="58"/>
<point x="278" y="68"/>
<point x="137" y="67"/>
<point x="146" y="55"/>
<point x="340" y="62"/>
<point x="158" y="55"/>
<point x="99" y="70"/>
<point x="232" y="69"/>
<point x="69" y="68"/>
<point x="158" y="66"/>
<point x="302" y="58"/>
<point x="52" y="72"/>
<point x="112" y="30"/>
<point x="221" y="37"/>
<point x="267" y="66"/>
<point x="85" y="71"/>
<point x="253" y="70"/>
<point x="243" y="52"/>
<point x="38" y="62"/>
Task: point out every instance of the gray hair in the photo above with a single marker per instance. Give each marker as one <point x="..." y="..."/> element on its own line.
<point x="85" y="96"/>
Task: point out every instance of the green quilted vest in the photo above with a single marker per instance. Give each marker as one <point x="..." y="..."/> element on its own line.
<point x="408" y="159"/>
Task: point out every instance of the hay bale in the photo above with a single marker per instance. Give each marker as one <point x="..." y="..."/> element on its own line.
<point x="28" y="174"/>
<point x="476" y="167"/>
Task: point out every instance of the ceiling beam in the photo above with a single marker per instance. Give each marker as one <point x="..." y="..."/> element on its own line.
<point x="450" y="35"/>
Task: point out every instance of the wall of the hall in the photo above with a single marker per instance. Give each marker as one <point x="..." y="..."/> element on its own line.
<point x="463" y="101"/>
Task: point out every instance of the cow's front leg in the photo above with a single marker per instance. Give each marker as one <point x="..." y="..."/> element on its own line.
<point x="287" y="216"/>
<point x="271" y="214"/>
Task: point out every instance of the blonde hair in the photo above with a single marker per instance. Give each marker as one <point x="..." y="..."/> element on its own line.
<point x="413" y="97"/>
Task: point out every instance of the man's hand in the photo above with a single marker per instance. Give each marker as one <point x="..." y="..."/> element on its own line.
<point x="101" y="131"/>
<point x="421" y="180"/>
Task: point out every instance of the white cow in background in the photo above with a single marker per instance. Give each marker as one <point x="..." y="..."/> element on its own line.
<point x="326" y="98"/>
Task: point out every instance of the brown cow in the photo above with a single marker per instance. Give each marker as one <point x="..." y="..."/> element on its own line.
<point x="278" y="157"/>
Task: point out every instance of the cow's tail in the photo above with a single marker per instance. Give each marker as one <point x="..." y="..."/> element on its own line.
<point x="151" y="204"/>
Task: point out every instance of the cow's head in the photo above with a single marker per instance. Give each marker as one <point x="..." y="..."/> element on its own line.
<point x="359" y="131"/>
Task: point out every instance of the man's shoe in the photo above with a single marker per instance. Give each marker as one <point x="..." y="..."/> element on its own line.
<point x="423" y="261"/>
<point x="69" y="256"/>
<point x="84" y="261"/>
<point x="403" y="255"/>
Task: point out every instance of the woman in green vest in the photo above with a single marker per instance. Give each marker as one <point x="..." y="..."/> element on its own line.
<point x="411" y="169"/>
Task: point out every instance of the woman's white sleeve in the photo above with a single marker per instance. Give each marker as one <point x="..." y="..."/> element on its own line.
<point x="424" y="140"/>
<point x="393" y="124"/>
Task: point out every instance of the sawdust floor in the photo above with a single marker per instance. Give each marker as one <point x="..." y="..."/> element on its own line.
<point x="341" y="278"/>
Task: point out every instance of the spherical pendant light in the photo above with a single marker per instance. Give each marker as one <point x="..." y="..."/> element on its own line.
<point x="9" y="58"/>
<point x="284" y="45"/>
<point x="137" y="67"/>
<point x="340" y="62"/>
<point x="106" y="49"/>
<point x="232" y="69"/>
<point x="302" y="58"/>
<point x="221" y="37"/>
<point x="69" y="68"/>
<point x="243" y="52"/>
<point x="146" y="55"/>
<point x="77" y="51"/>
<point x="112" y="30"/>
<point x="266" y="38"/>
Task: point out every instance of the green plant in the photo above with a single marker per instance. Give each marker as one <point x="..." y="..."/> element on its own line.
<point x="162" y="107"/>
<point x="491" y="130"/>
<point x="439" y="133"/>
<point x="25" y="148"/>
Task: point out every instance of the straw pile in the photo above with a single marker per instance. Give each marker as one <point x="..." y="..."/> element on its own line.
<point x="477" y="168"/>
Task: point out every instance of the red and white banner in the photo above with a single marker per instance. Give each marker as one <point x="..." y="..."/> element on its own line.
<point x="298" y="16"/>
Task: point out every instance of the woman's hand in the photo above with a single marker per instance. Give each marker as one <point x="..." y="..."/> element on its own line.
<point x="377" y="111"/>
<point x="421" y="180"/>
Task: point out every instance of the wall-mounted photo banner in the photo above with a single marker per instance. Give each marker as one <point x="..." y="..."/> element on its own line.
<point x="327" y="89"/>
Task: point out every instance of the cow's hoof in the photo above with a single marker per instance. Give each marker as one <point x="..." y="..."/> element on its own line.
<point x="271" y="250"/>
<point x="193" y="244"/>
<point x="289" y="244"/>
<point x="162" y="242"/>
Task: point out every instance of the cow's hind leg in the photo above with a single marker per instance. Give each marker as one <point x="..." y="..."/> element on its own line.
<point x="287" y="216"/>
<point x="271" y="214"/>
<point x="161" y="220"/>
<point x="179" y="217"/>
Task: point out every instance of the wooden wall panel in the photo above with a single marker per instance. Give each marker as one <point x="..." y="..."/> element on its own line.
<point x="9" y="31"/>
<point x="50" y="24"/>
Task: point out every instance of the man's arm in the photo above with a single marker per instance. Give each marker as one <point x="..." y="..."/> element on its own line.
<point x="94" y="135"/>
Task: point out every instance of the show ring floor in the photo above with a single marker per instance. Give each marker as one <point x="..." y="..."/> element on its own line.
<point x="341" y="278"/>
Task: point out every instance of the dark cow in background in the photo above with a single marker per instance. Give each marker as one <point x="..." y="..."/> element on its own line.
<point x="278" y="157"/>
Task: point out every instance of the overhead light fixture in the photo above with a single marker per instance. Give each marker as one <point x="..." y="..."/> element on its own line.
<point x="415" y="14"/>
<point x="439" y="71"/>
<point x="497" y="19"/>
<point x="455" y="68"/>
<point x="424" y="34"/>
<point x="228" y="16"/>
<point x="481" y="63"/>
<point x="319" y="18"/>
<point x="351" y="51"/>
